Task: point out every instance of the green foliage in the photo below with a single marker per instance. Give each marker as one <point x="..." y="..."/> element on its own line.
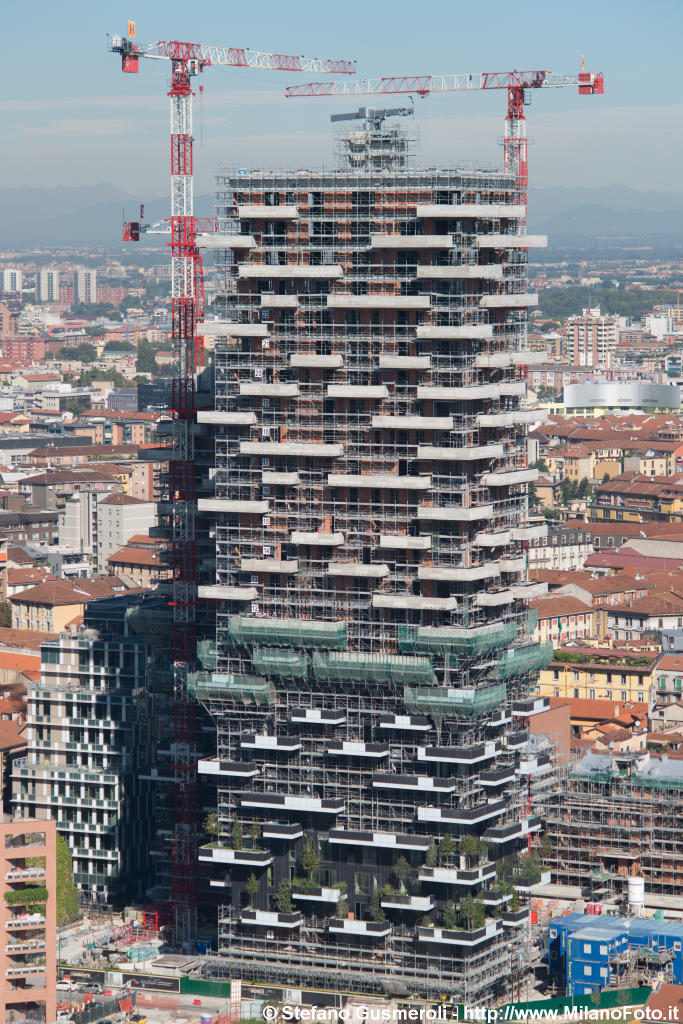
<point x="402" y="870"/>
<point x="310" y="861"/>
<point x="546" y="847"/>
<point x="432" y="855"/>
<point x="210" y="824"/>
<point x="342" y="907"/>
<point x="119" y="346"/>
<point x="96" y="373"/>
<point x="77" y="408"/>
<point x="530" y="868"/>
<point x="30" y="894"/>
<point x="236" y="834"/>
<point x="256" y="830"/>
<point x="67" y="892"/>
<point x="82" y="353"/>
<point x="252" y="886"/>
<point x="631" y="302"/>
<point x="449" y="915"/>
<point x="426" y="921"/>
<point x="606" y="478"/>
<point x="5" y="614"/>
<point x="541" y="465"/>
<point x="514" y="902"/>
<point x="472" y="913"/>
<point x="376" y="912"/>
<point x="446" y="848"/>
<point x="283" y="898"/>
<point x="469" y="846"/>
<point x="146" y="362"/>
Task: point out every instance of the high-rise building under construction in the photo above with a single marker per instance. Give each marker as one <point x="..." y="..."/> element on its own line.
<point x="369" y="682"/>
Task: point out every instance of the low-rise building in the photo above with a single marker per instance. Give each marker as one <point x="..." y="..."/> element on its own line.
<point x="646" y="616"/>
<point x="562" y="619"/>
<point x="599" y="673"/>
<point x="51" y="607"/>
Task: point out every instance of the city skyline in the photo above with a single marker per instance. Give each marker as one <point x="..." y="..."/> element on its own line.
<point x="99" y="125"/>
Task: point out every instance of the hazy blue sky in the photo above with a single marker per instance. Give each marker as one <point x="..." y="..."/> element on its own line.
<point x="70" y="117"/>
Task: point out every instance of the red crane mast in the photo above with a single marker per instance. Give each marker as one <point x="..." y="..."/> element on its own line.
<point x="187" y="310"/>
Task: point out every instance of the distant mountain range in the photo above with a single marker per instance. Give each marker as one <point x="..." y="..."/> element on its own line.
<point x="91" y="215"/>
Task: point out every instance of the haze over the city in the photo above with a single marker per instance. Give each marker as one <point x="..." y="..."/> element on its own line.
<point x="70" y="117"/>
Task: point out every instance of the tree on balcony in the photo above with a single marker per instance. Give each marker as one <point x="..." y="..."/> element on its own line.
<point x="310" y="861"/>
<point x="283" y="898"/>
<point x="402" y="871"/>
<point x="236" y="834"/>
<point x="449" y="915"/>
<point x="252" y="886"/>
<point x="446" y="848"/>
<point x="472" y="913"/>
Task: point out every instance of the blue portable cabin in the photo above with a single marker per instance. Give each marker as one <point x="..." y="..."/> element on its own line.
<point x="589" y="953"/>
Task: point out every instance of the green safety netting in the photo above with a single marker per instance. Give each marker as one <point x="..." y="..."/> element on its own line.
<point x="521" y="660"/>
<point x="247" y="689"/>
<point x="476" y="640"/>
<point x="206" y="654"/>
<point x="373" y="668"/>
<point x="244" y="629"/>
<point x="533" y="619"/>
<point x="468" y="702"/>
<point x="275" y="661"/>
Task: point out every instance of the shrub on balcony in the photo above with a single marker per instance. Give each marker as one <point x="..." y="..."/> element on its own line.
<point x="30" y="894"/>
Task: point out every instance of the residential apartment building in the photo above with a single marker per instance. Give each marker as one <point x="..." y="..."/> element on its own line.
<point x="562" y="619"/>
<point x="28" y="919"/>
<point x="594" y="338"/>
<point x="47" y="285"/>
<point x="99" y="524"/>
<point x="559" y="546"/>
<point x="89" y="741"/>
<point x="12" y="280"/>
<point x="599" y="673"/>
<point x="366" y="496"/>
<point x="51" y="607"/>
<point x="85" y="286"/>
<point x="647" y="616"/>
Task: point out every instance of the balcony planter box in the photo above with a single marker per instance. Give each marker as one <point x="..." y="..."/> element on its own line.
<point x="515" y="918"/>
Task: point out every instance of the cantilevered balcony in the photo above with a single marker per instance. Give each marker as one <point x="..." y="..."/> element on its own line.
<point x="459" y="876"/>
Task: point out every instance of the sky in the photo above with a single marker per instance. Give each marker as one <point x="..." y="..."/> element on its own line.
<point x="70" y="117"/>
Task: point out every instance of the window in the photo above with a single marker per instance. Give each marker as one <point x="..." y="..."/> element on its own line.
<point x="622" y="695"/>
<point x="553" y="934"/>
<point x="591" y="694"/>
<point x="587" y="948"/>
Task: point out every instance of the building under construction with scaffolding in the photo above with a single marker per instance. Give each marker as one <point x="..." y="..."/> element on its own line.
<point x="369" y="672"/>
<point x="616" y="816"/>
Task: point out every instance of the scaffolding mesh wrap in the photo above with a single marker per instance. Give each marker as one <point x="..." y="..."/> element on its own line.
<point x="374" y="668"/>
<point x="244" y="629"/>
<point x="477" y="640"/>
<point x="440" y="703"/>
<point x="521" y="660"/>
<point x="274" y="661"/>
<point x="244" y="689"/>
<point x="206" y="654"/>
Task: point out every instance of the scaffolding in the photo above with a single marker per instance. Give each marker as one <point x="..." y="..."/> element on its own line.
<point x="615" y="816"/>
<point x="369" y="475"/>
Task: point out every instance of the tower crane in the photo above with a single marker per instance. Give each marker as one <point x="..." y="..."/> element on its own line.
<point x="188" y="60"/>
<point x="517" y="83"/>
